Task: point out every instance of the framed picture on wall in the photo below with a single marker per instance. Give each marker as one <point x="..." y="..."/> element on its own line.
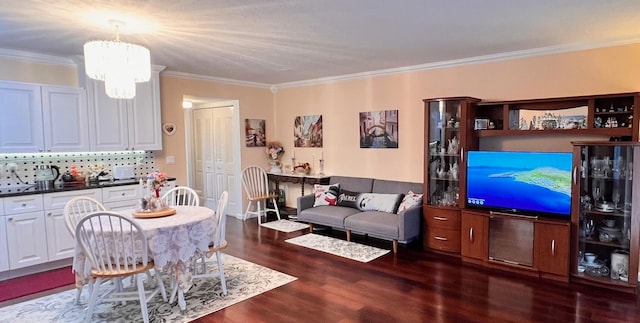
<point x="255" y="134"/>
<point x="307" y="131"/>
<point x="379" y="129"/>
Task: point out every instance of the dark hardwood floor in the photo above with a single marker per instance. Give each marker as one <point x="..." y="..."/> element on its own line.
<point x="412" y="286"/>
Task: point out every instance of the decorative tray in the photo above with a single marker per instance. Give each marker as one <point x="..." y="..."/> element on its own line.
<point x="154" y="214"/>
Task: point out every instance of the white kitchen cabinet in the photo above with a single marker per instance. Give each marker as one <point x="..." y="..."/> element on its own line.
<point x="60" y="243"/>
<point x="117" y="198"/>
<point x="26" y="239"/>
<point x="4" y="250"/>
<point x="119" y="124"/>
<point x="42" y="118"/>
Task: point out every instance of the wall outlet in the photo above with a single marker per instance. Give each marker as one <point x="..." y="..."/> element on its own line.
<point x="11" y="168"/>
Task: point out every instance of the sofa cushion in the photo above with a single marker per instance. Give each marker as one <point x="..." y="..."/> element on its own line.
<point x="409" y="200"/>
<point x="356" y="184"/>
<point x="385" y="186"/>
<point x="374" y="223"/>
<point x="348" y="198"/>
<point x="326" y="194"/>
<point x="327" y="215"/>
<point x="378" y="202"/>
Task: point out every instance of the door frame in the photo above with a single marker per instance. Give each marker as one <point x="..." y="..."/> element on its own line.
<point x="235" y="192"/>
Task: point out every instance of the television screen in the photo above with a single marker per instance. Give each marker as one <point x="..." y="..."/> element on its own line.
<point x="530" y="183"/>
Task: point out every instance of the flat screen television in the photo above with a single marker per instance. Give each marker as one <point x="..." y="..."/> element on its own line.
<point x="526" y="183"/>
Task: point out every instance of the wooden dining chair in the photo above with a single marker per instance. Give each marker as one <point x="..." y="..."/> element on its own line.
<point x="218" y="244"/>
<point x="256" y="185"/>
<point x="117" y="247"/>
<point x="76" y="209"/>
<point x="181" y="195"/>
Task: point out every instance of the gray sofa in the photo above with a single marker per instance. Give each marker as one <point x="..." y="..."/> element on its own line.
<point x="402" y="227"/>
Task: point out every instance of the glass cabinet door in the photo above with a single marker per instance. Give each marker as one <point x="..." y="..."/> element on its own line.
<point x="444" y="152"/>
<point x="606" y="234"/>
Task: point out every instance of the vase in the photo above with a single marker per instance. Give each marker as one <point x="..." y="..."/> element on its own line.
<point x="275" y="167"/>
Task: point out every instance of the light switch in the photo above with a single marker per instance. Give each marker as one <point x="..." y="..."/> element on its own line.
<point x="171" y="160"/>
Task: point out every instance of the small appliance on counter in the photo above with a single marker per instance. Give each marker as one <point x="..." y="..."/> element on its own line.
<point x="124" y="172"/>
<point x="46" y="176"/>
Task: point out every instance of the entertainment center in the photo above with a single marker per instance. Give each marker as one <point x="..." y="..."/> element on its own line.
<point x="563" y="215"/>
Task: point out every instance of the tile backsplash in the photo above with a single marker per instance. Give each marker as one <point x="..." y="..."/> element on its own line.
<point x="142" y="160"/>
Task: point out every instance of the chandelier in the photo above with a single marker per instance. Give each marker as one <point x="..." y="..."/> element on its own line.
<point x="120" y="65"/>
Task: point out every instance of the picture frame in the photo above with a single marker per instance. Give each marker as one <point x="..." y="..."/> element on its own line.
<point x="379" y="129"/>
<point x="169" y="128"/>
<point x="255" y="132"/>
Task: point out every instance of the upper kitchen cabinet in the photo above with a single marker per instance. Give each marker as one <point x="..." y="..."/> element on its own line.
<point x="119" y="124"/>
<point x="42" y="118"/>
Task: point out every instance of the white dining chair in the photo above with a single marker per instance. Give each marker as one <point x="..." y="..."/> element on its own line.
<point x="76" y="209"/>
<point x="117" y="247"/>
<point x="218" y="244"/>
<point x="256" y="185"/>
<point x="181" y="195"/>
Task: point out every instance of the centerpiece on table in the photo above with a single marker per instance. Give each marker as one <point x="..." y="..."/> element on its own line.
<point x="274" y="152"/>
<point x="152" y="204"/>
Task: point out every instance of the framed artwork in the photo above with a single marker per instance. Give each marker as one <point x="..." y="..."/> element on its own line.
<point x="379" y="129"/>
<point x="307" y="131"/>
<point x="255" y="134"/>
<point x="169" y="128"/>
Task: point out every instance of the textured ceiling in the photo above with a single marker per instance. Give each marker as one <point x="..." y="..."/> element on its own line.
<point x="281" y="41"/>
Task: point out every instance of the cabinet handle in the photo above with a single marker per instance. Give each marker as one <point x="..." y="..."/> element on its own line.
<point x="123" y="193"/>
<point x="49" y="150"/>
<point x="24" y="204"/>
<point x="39" y="150"/>
<point x="471" y="234"/>
<point x="49" y="214"/>
<point x="553" y="247"/>
<point x="440" y="238"/>
<point x="439" y="218"/>
<point x="575" y="168"/>
<point x="10" y="219"/>
<point x="462" y="154"/>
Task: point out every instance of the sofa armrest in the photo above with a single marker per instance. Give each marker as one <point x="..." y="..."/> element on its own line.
<point x="305" y="202"/>
<point x="409" y="223"/>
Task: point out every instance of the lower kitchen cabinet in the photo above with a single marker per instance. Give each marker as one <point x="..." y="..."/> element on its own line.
<point x="4" y="249"/>
<point x="26" y="239"/>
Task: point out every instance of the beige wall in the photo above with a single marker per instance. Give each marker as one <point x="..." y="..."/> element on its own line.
<point x="255" y="103"/>
<point x="27" y="71"/>
<point x="606" y="70"/>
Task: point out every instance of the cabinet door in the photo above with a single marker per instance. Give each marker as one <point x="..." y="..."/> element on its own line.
<point x="145" y="129"/>
<point x="473" y="235"/>
<point x="65" y="119"/>
<point x="60" y="243"/>
<point x="26" y="236"/>
<point x="21" y="121"/>
<point x="552" y="248"/>
<point x="108" y="119"/>
<point x="4" y="249"/>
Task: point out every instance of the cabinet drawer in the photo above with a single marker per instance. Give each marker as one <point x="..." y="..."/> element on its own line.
<point x="443" y="219"/>
<point x="59" y="200"/>
<point x="119" y="193"/>
<point x="442" y="239"/>
<point x="24" y="203"/>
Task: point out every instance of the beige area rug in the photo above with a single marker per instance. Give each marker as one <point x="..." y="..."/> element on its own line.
<point x="244" y="280"/>
<point x="285" y="225"/>
<point x="338" y="247"/>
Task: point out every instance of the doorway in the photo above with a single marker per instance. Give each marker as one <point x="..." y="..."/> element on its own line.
<point x="213" y="151"/>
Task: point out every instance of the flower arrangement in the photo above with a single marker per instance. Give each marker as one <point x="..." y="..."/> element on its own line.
<point x="274" y="150"/>
<point x="155" y="181"/>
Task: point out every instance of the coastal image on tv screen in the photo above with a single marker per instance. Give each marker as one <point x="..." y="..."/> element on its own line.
<point x="528" y="182"/>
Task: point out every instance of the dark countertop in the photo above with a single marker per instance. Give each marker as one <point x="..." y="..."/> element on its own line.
<point x="28" y="190"/>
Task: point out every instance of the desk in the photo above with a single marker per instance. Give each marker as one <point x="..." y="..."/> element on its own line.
<point x="174" y="242"/>
<point x="297" y="178"/>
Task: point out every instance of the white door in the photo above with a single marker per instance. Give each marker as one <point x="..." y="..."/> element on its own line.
<point x="21" y="121"/>
<point x="223" y="150"/>
<point x="25" y="233"/>
<point x="203" y="155"/>
<point x="65" y="117"/>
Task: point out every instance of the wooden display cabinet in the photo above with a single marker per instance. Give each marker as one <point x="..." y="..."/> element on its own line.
<point x="552" y="249"/>
<point x="605" y="214"/>
<point x="448" y="127"/>
<point x="474" y="237"/>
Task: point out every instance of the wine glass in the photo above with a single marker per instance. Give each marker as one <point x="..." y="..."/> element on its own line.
<point x="615" y="196"/>
<point x="597" y="193"/>
<point x="589" y="227"/>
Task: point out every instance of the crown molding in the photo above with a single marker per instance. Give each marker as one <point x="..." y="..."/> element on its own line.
<point x="36" y="57"/>
<point x="466" y="61"/>
<point x="217" y="79"/>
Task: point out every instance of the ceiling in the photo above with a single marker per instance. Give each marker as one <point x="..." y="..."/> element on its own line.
<point x="283" y="41"/>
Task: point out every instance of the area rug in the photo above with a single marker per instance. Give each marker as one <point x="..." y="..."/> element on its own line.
<point x="31" y="284"/>
<point x="244" y="280"/>
<point x="338" y="247"/>
<point x="285" y="225"/>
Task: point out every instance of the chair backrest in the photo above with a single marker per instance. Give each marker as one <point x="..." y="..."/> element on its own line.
<point x="79" y="207"/>
<point x="255" y="181"/>
<point x="181" y="195"/>
<point x="221" y="213"/>
<point x="112" y="242"/>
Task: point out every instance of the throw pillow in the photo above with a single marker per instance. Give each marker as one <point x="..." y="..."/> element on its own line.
<point x="326" y="194"/>
<point x="409" y="200"/>
<point x="379" y="202"/>
<point x="348" y="198"/>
